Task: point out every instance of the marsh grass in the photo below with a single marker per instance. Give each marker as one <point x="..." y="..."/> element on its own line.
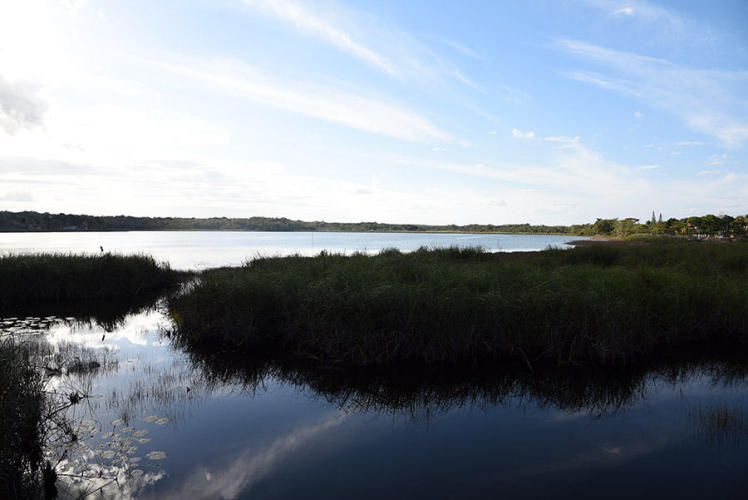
<point x="66" y="278"/>
<point x="588" y="305"/>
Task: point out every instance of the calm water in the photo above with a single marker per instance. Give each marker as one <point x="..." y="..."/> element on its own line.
<point x="249" y="431"/>
<point x="203" y="249"/>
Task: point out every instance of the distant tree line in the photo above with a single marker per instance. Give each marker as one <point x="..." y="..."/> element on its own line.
<point x="708" y="225"/>
<point x="723" y="226"/>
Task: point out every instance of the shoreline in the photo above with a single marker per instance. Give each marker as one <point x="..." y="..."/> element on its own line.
<point x="305" y="231"/>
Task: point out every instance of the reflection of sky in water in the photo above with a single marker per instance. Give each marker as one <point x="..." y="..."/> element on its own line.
<point x="199" y="250"/>
<point x="219" y="440"/>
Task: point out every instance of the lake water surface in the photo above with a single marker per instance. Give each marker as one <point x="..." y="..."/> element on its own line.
<point x="158" y="422"/>
<point x="203" y="249"/>
<point x="168" y="426"/>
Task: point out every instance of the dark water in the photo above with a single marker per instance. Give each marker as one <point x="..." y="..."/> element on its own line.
<point x="253" y="429"/>
<point x="203" y="249"/>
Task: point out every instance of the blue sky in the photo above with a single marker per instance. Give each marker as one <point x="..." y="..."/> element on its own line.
<point x="419" y="111"/>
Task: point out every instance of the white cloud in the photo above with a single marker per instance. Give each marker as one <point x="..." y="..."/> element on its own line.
<point x="582" y="184"/>
<point x="718" y="159"/>
<point x="461" y="48"/>
<point x="665" y="25"/>
<point x="638" y="9"/>
<point x="563" y="140"/>
<point x="373" y="41"/>
<point x="74" y="4"/>
<point x="308" y="21"/>
<point x="16" y="196"/>
<point x="708" y="101"/>
<point x="638" y="114"/>
<point x="625" y="11"/>
<point x="522" y="135"/>
<point x="334" y="105"/>
<point x="20" y="106"/>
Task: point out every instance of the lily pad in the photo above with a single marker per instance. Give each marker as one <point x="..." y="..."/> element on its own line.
<point x="162" y="421"/>
<point x="156" y="455"/>
<point x="150" y="418"/>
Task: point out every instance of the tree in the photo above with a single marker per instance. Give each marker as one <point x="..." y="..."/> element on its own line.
<point x="626" y="227"/>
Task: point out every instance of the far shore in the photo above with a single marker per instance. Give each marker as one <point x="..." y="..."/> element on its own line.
<point x="283" y="231"/>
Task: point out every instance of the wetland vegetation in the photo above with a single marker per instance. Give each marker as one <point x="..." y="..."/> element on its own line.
<point x="66" y="278"/>
<point x="589" y="305"/>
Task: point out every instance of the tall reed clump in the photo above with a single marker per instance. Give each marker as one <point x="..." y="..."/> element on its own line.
<point x="59" y="278"/>
<point x="586" y="305"/>
<point x="21" y="408"/>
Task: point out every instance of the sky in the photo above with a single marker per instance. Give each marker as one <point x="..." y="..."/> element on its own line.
<point x="434" y="112"/>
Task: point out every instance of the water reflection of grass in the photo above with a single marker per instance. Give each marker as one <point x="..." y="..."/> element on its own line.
<point x="418" y="392"/>
<point x="108" y="315"/>
<point x="592" y="305"/>
<point x="169" y="389"/>
<point x="56" y="380"/>
<point x="720" y="422"/>
<point x="21" y="408"/>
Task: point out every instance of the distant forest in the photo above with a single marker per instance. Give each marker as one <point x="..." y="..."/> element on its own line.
<point x="708" y="225"/>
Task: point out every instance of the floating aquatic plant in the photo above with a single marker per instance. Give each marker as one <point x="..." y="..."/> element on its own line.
<point x="156" y="455"/>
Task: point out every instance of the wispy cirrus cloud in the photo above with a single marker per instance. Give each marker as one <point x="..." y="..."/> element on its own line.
<point x="334" y="105"/>
<point x="368" y="39"/>
<point x="310" y="22"/>
<point x="461" y="48"/>
<point x="664" y="24"/>
<point x="712" y="102"/>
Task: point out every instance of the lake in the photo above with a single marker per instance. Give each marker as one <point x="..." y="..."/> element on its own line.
<point x="203" y="249"/>
<point x="157" y="421"/>
<point x="168" y="425"/>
